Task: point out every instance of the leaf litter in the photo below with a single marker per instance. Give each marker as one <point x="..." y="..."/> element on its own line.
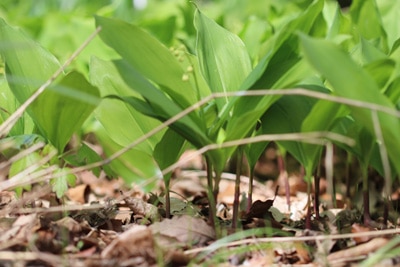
<point x="99" y="222"/>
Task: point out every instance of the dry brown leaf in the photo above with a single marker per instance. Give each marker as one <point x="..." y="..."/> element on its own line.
<point x="140" y="207"/>
<point x="70" y="224"/>
<point x="79" y="193"/>
<point x="21" y="228"/>
<point x="188" y="186"/>
<point x="186" y="229"/>
<point x="357" y="228"/>
<point x="137" y="242"/>
<point x="6" y="197"/>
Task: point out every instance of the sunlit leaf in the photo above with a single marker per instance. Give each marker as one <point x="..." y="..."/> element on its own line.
<point x="224" y="60"/>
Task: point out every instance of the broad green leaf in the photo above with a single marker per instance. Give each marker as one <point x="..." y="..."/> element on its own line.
<point x="190" y="126"/>
<point x="149" y="57"/>
<point x="134" y="166"/>
<point x="381" y="71"/>
<point x="224" y="60"/>
<point x="351" y="81"/>
<point x="9" y="104"/>
<point x="365" y="52"/>
<point x="365" y="15"/>
<point x="168" y="150"/>
<point x="340" y="25"/>
<point x="393" y="91"/>
<point x="63" y="108"/>
<point x="60" y="110"/>
<point x="254" y="32"/>
<point x="123" y="123"/>
<point x="389" y="11"/>
<point x="280" y="68"/>
<point x="29" y="65"/>
<point x="162" y="28"/>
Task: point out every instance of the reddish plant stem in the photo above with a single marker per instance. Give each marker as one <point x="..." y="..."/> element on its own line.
<point x="250" y="190"/>
<point x="316" y="195"/>
<point x="386" y="212"/>
<point x="367" y="217"/>
<point x="308" y="215"/>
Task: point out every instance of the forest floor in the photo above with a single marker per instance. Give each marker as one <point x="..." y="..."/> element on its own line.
<point x="101" y="222"/>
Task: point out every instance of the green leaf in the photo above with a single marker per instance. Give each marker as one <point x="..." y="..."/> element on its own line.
<point x="134" y="166"/>
<point x="123" y="123"/>
<point x="281" y="67"/>
<point x="190" y="126"/>
<point x="365" y="15"/>
<point x="22" y="164"/>
<point x="224" y="60"/>
<point x="168" y="150"/>
<point x="63" y="108"/>
<point x="9" y="105"/>
<point x="14" y="144"/>
<point x="322" y="117"/>
<point x="23" y="57"/>
<point x="287" y="116"/>
<point x="149" y="57"/>
<point x="85" y="155"/>
<point x="60" y="184"/>
<point x="60" y="110"/>
<point x="381" y="71"/>
<point x="351" y="81"/>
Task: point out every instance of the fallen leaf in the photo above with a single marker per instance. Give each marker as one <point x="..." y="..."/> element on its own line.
<point x="140" y="207"/>
<point x="185" y="229"/>
<point x="135" y="242"/>
<point x="79" y="193"/>
<point x="358" y="228"/>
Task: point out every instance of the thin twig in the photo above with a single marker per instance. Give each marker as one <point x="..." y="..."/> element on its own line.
<point x="384" y="156"/>
<point x="22" y="154"/>
<point x="26" y="176"/>
<point x="218" y="245"/>
<point x="317" y="138"/>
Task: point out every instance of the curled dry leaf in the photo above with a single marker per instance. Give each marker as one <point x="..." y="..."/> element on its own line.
<point x="140" y="207"/>
<point x="185" y="230"/>
<point x="79" y="193"/>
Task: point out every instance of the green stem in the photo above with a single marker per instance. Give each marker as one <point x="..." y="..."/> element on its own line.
<point x="167" y="201"/>
<point x="282" y="171"/>
<point x="212" y="193"/>
<point x="239" y="161"/>
<point x="365" y="190"/>
<point x="308" y="216"/>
